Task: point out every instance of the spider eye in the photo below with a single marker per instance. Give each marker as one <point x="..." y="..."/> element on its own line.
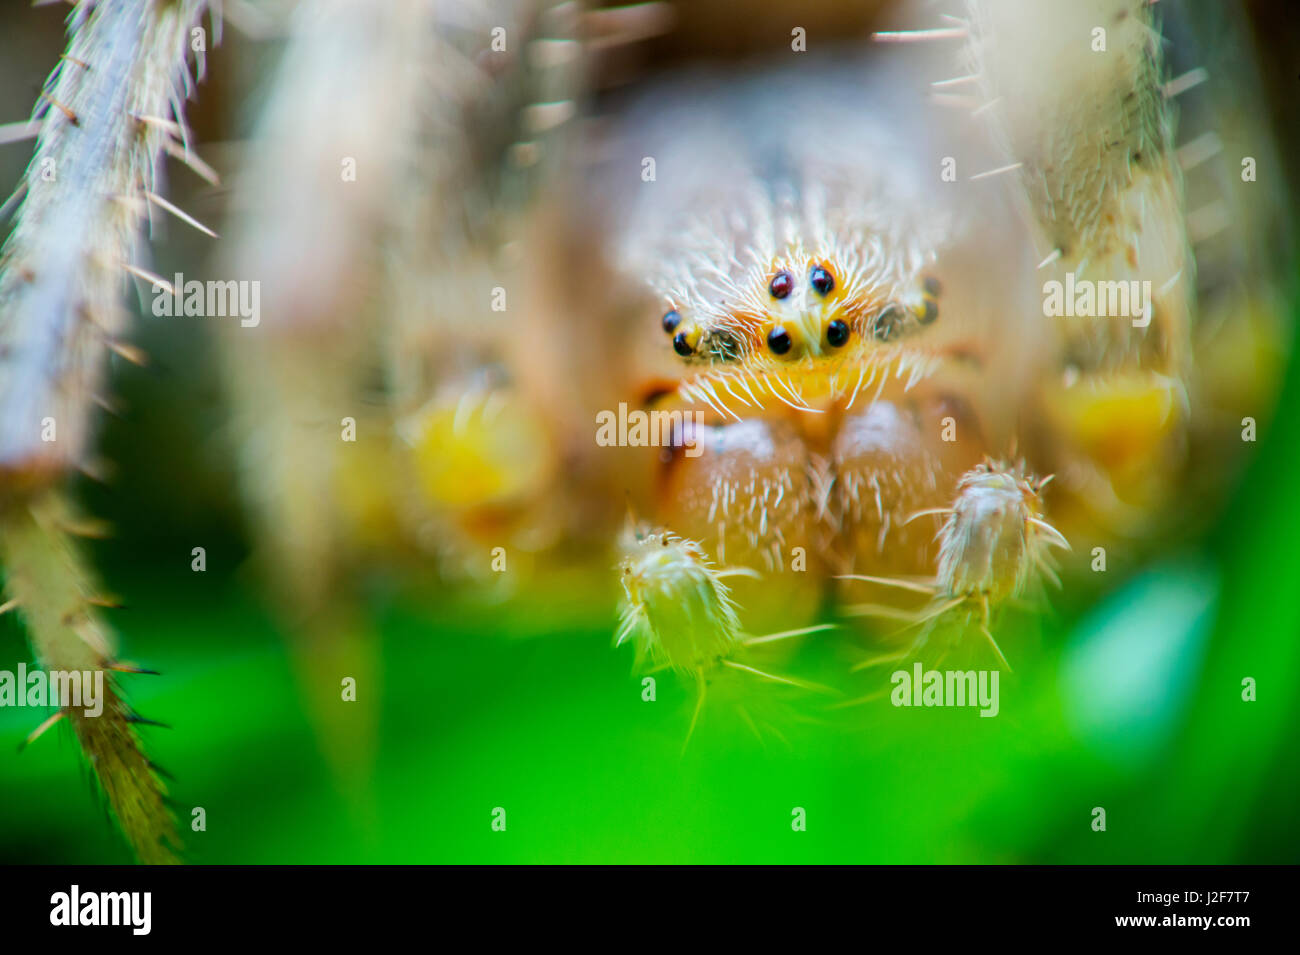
<point x="681" y="345"/>
<point x="822" y="280"/>
<point x="672" y="320"/>
<point x="782" y="285"/>
<point x="837" y="333"/>
<point x="778" y="339"/>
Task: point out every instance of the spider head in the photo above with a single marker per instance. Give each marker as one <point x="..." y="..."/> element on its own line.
<point x="804" y="324"/>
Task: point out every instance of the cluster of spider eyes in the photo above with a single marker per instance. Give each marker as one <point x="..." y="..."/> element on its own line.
<point x="823" y="283"/>
<point x="819" y="278"/>
<point x="680" y="344"/>
<point x="886" y="326"/>
<point x="782" y="284"/>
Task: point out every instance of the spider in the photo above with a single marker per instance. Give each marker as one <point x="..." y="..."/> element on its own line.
<point x="478" y="229"/>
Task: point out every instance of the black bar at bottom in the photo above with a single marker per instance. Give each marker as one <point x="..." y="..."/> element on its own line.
<point x="333" y="904"/>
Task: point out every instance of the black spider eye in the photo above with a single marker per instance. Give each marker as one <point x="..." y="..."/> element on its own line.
<point x="837" y="333"/>
<point x="681" y="345"/>
<point x="672" y="320"/>
<point x="822" y="280"/>
<point x="782" y="285"/>
<point x="778" y="339"/>
<point x="932" y="286"/>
